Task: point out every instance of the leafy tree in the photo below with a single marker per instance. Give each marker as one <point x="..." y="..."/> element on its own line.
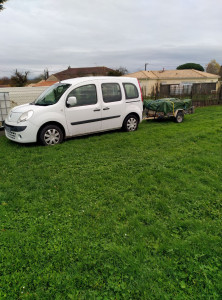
<point x="220" y="73"/>
<point x="1" y="4"/>
<point x="213" y="67"/>
<point x="190" y="66"/>
<point x="19" y="79"/>
<point x="118" y="72"/>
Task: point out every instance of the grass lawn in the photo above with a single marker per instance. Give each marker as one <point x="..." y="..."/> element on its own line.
<point x="115" y="215"/>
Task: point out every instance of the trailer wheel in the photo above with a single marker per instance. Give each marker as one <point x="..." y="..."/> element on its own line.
<point x="179" y="117"/>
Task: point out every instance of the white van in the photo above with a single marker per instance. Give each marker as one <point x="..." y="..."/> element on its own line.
<point x="76" y="107"/>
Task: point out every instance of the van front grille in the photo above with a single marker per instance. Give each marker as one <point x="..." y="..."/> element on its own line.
<point x="10" y="134"/>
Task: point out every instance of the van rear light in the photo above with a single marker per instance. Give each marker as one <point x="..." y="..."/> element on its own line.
<point x="140" y="90"/>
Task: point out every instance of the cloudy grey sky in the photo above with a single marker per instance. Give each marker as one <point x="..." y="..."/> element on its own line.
<point x="54" y="34"/>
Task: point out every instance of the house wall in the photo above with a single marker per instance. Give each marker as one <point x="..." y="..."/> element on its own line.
<point x="148" y="86"/>
<point x="52" y="78"/>
<point x="22" y="95"/>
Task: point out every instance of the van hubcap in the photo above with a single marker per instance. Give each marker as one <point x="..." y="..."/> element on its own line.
<point x="131" y="124"/>
<point x="51" y="137"/>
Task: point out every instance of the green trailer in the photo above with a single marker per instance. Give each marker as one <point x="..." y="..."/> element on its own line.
<point x="167" y="108"/>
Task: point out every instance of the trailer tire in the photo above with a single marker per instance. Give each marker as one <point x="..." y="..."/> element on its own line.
<point x="179" y="117"/>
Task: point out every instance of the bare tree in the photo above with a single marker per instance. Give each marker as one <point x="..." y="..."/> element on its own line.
<point x="19" y="79"/>
<point x="42" y="76"/>
<point x="213" y="67"/>
<point x="46" y="74"/>
<point x="5" y="81"/>
<point x="118" y="72"/>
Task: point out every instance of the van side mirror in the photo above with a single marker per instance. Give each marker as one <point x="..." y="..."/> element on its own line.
<point x="72" y="101"/>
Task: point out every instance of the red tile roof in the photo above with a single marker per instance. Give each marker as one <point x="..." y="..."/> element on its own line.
<point x="43" y="83"/>
<point x="173" y="74"/>
<point x="82" y="72"/>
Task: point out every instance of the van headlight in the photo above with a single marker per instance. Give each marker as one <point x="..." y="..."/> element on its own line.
<point x="25" y="116"/>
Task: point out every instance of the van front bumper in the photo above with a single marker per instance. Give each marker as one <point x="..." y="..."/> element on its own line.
<point x="22" y="133"/>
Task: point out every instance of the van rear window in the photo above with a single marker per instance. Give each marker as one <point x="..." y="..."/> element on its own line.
<point x="131" y="91"/>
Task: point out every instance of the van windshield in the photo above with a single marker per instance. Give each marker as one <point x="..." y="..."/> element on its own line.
<point x="52" y="95"/>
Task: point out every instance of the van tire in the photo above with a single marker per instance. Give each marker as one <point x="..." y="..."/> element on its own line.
<point x="130" y="123"/>
<point x="51" y="135"/>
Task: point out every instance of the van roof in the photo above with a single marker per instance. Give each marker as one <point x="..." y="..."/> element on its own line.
<point x="108" y="78"/>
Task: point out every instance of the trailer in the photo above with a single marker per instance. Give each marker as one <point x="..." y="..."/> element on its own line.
<point x="5" y="107"/>
<point x="167" y="108"/>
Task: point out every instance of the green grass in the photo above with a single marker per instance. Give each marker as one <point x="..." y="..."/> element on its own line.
<point x="115" y="215"/>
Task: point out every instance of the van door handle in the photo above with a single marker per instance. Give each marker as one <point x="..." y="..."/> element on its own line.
<point x="106" y="108"/>
<point x="96" y="109"/>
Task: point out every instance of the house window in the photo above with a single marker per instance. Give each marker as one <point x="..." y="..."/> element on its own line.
<point x="187" y="88"/>
<point x="180" y="89"/>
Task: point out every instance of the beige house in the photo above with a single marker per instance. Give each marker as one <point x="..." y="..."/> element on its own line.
<point x="173" y="81"/>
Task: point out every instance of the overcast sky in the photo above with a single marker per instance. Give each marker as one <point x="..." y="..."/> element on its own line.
<point x="55" y="34"/>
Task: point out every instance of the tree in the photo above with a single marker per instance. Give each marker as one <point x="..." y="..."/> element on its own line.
<point x="190" y="66"/>
<point x="220" y="73"/>
<point x="118" y="72"/>
<point x="43" y="76"/>
<point x="1" y="4"/>
<point x="19" y="79"/>
<point x="46" y="74"/>
<point x="213" y="67"/>
<point x="5" y="81"/>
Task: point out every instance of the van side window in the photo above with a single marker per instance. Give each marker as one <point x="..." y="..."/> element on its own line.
<point x="111" y="92"/>
<point x="131" y="91"/>
<point x="85" y="95"/>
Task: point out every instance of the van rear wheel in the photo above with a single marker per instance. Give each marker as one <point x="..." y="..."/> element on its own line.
<point x="51" y="135"/>
<point x="130" y="123"/>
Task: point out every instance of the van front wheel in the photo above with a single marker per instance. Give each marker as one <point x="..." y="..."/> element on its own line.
<point x="130" y="123"/>
<point x="51" y="135"/>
